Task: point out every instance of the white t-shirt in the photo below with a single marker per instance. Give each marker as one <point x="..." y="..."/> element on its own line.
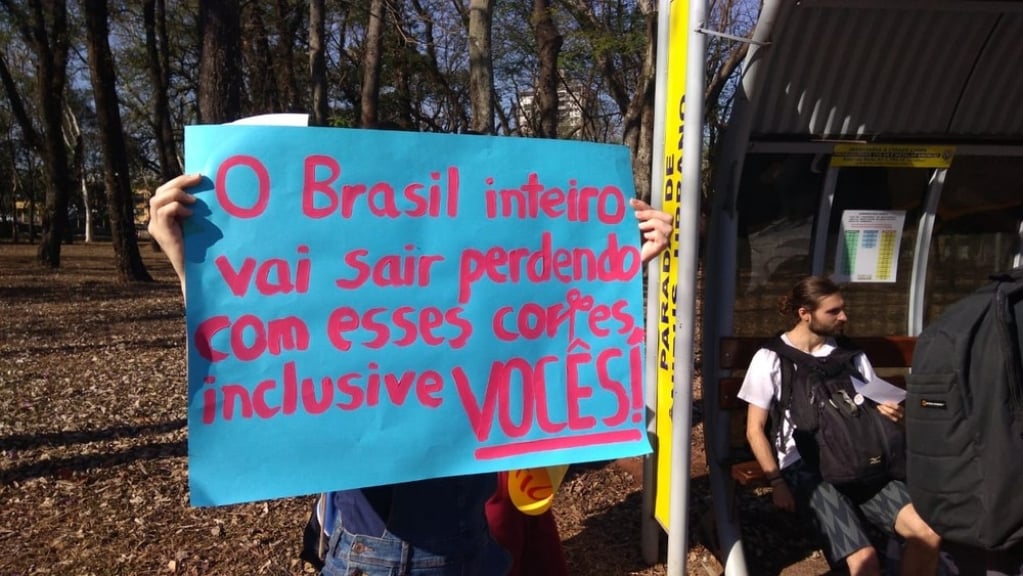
<point x="762" y="387"/>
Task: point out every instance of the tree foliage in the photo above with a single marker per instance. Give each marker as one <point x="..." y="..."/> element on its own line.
<point x="579" y="69"/>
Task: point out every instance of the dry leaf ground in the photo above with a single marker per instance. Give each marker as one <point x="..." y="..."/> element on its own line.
<point x="93" y="450"/>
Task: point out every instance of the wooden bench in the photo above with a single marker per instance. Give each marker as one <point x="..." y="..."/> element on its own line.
<point x="891" y="357"/>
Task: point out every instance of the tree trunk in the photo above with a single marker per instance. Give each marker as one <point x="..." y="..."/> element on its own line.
<point x="44" y="28"/>
<point x="88" y="212"/>
<point x="548" y="43"/>
<point x="15" y="183"/>
<point x="318" y="63"/>
<point x="32" y="229"/>
<point x="262" y="89"/>
<point x="31" y="141"/>
<point x="220" y="80"/>
<point x="288" y="21"/>
<point x="481" y="66"/>
<point x="450" y="96"/>
<point x="74" y="140"/>
<point x="116" y="176"/>
<point x="32" y="138"/>
<point x="372" y="62"/>
<point x="639" y="116"/>
<point x="158" y="53"/>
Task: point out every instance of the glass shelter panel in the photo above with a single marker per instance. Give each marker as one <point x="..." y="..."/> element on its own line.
<point x="976" y="228"/>
<point x="879" y="308"/>
<point x="777" y="204"/>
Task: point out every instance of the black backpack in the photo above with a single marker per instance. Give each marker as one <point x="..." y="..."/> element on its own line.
<point x="836" y="430"/>
<point x="965" y="419"/>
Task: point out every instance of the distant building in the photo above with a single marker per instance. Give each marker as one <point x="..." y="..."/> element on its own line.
<point x="570" y="113"/>
<point x="26" y="212"/>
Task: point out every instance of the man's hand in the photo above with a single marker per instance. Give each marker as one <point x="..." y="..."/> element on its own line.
<point x="169" y="204"/>
<point x="656" y="227"/>
<point x="894" y="412"/>
<point x="782" y="496"/>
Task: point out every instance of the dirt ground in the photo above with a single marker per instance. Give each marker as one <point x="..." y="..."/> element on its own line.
<point x="93" y="453"/>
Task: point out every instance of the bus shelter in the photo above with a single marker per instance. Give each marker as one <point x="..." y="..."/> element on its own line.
<point x="878" y="142"/>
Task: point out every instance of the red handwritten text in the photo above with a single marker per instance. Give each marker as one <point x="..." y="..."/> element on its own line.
<point x="528" y="383"/>
<point x="273" y="276"/>
<point x="390" y="270"/>
<point x="566" y="265"/>
<point x="322" y="197"/>
<point x="262" y="189"/>
<point x="533" y="200"/>
<point x="532" y="321"/>
<point x="290" y="394"/>
<point x="249" y="337"/>
<point x="401" y="326"/>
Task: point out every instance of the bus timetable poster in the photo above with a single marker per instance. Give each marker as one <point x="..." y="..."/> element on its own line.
<point x="868" y="246"/>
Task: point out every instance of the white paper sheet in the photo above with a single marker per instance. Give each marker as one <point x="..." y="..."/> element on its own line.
<point x="881" y="391"/>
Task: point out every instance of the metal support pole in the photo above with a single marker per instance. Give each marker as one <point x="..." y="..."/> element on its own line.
<point x="1017" y="260"/>
<point x="689" y="250"/>
<point x="820" y="238"/>
<point x="918" y="283"/>
<point x="650" y="530"/>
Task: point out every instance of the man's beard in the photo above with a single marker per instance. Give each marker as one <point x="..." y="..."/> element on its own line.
<point x="821" y="330"/>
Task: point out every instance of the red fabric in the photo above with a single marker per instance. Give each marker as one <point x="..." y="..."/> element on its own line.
<point x="532" y="541"/>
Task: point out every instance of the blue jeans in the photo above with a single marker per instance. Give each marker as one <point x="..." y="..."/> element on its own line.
<point x="361" y="555"/>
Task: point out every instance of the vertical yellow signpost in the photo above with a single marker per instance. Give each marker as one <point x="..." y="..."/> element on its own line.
<point x="672" y="183"/>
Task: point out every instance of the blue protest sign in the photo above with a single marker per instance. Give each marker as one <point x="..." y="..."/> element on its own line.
<point x="368" y="307"/>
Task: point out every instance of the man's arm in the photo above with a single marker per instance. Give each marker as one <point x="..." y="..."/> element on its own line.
<point x="763" y="451"/>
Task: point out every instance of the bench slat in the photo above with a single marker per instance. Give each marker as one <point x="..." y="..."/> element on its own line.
<point x="728" y="394"/>
<point x="748" y="473"/>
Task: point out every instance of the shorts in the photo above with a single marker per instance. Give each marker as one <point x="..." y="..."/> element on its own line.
<point x="837" y="516"/>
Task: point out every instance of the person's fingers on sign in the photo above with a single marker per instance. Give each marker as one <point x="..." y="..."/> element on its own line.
<point x="656" y="227"/>
<point x="169" y="204"/>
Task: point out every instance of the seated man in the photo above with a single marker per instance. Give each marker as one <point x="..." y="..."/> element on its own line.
<point x="819" y="311"/>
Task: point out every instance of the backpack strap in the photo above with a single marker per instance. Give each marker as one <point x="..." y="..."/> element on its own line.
<point x="836" y="362"/>
<point x="777" y="412"/>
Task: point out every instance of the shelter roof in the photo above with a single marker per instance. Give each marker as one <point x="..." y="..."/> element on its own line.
<point x="891" y="70"/>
